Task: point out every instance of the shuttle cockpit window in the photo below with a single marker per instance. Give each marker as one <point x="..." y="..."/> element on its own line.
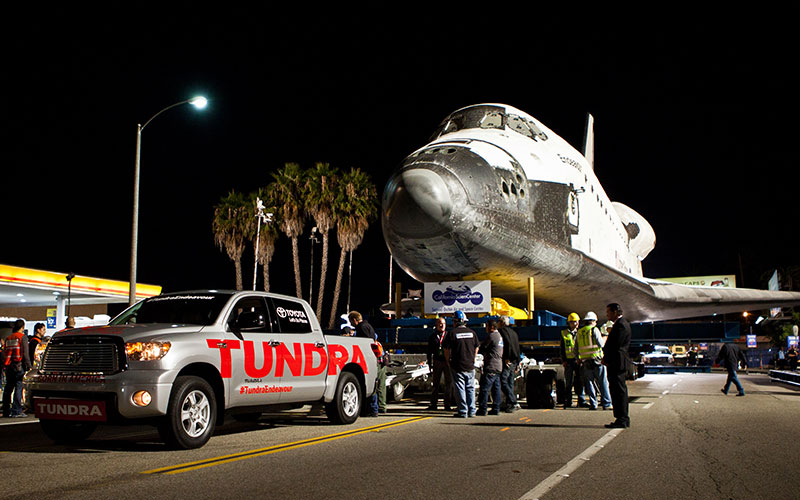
<point x="492" y="119"/>
<point x="484" y="117"/>
<point x="489" y="117"/>
<point x="519" y="125"/>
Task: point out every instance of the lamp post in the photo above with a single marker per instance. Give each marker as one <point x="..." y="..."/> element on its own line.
<point x="199" y="103"/>
<point x="265" y="218"/>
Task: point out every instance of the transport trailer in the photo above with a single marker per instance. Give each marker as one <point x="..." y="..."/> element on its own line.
<point x="534" y="382"/>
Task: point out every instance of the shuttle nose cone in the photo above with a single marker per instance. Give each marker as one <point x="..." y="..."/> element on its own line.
<point x="417" y="204"/>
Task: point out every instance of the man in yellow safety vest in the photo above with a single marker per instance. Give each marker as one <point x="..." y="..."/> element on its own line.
<point x="590" y="355"/>
<point x="569" y="358"/>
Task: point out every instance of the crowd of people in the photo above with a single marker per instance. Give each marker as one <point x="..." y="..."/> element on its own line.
<point x="595" y="365"/>
<point x="17" y="355"/>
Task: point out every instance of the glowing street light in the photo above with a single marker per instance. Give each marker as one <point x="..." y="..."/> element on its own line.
<point x="199" y="102"/>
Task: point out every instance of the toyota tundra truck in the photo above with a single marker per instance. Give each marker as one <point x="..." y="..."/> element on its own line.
<point x="182" y="361"/>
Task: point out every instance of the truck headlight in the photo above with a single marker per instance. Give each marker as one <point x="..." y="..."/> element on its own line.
<point x="146" y="351"/>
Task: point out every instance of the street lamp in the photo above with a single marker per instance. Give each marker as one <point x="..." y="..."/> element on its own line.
<point x="198" y="102"/>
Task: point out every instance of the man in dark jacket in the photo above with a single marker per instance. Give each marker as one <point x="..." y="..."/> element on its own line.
<point x="729" y="357"/>
<point x="38" y="334"/>
<point x="492" y="350"/>
<point x="438" y="366"/>
<point x="511" y="353"/>
<point x="617" y="360"/>
<point x="460" y="347"/>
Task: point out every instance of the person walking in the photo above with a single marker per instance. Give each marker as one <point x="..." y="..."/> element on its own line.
<point x="492" y="350"/>
<point x="572" y="375"/>
<point x="590" y="356"/>
<point x="729" y="357"/>
<point x="617" y="361"/>
<point x="439" y="367"/>
<point x="511" y="355"/>
<point x="460" y="347"/>
<point x="15" y="361"/>
<point x="791" y="357"/>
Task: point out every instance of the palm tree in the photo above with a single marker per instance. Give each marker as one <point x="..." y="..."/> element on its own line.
<point x="319" y="192"/>
<point x="264" y="238"/>
<point x="229" y="227"/>
<point x="287" y="196"/>
<point x="355" y="207"/>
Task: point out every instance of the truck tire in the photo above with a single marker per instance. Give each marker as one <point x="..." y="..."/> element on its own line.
<point x="191" y="414"/>
<point x="63" y="432"/>
<point x="346" y="402"/>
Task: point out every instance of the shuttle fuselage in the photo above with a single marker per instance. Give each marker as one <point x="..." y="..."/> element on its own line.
<point x="497" y="195"/>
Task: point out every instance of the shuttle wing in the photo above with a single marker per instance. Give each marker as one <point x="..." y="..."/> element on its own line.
<point x="680" y="301"/>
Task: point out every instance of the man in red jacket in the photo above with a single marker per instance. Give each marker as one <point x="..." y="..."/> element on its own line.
<point x="16" y="362"/>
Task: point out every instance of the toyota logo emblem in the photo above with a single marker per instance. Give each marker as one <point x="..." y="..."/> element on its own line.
<point x="74" y="358"/>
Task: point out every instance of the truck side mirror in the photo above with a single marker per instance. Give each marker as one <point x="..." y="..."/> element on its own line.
<point x="250" y="321"/>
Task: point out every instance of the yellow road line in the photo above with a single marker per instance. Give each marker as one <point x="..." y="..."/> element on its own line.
<point x="504" y="429"/>
<point x="210" y="462"/>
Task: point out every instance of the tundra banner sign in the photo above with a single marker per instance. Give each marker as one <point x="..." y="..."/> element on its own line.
<point x="450" y="296"/>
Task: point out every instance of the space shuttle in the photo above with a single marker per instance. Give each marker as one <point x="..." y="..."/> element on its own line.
<point x="498" y="196"/>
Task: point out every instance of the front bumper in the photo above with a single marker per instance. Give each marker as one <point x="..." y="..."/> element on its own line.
<point x="115" y="390"/>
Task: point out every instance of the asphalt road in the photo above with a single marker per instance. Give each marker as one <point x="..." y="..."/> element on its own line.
<point x="687" y="440"/>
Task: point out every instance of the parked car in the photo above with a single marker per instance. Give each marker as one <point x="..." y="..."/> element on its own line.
<point x="660" y="355"/>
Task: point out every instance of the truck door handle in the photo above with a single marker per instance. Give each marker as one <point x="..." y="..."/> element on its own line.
<point x="274" y="343"/>
<point x="320" y="344"/>
<point x="222" y="345"/>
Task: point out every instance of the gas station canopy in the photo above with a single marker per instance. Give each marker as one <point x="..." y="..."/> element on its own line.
<point x="24" y="287"/>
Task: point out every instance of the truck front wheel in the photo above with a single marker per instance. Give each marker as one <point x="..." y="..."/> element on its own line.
<point x="191" y="414"/>
<point x="346" y="402"/>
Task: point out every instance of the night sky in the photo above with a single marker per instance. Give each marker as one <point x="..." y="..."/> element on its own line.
<point x="695" y="126"/>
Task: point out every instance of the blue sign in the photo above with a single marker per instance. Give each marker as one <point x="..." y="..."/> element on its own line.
<point x="51" y="318"/>
<point x="791" y="340"/>
<point x="450" y="296"/>
<point x="751" y="341"/>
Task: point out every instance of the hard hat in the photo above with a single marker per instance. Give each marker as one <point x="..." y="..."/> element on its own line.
<point x="459" y="316"/>
<point x="590" y="316"/>
<point x="573" y="317"/>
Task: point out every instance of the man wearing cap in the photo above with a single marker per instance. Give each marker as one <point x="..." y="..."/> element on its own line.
<point x="460" y="347"/>
<point x="572" y="375"/>
<point x="590" y="356"/>
<point x="377" y="403"/>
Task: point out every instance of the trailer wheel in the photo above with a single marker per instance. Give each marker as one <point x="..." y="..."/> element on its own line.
<point x="191" y="414"/>
<point x="539" y="389"/>
<point x="63" y="432"/>
<point x="398" y="390"/>
<point x="346" y="402"/>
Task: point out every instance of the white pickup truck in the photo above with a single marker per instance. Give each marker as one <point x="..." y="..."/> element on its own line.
<point x="182" y="361"/>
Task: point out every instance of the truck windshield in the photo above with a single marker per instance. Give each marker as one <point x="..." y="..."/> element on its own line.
<point x="179" y="309"/>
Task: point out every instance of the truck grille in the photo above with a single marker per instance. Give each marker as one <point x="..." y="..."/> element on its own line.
<point x="82" y="355"/>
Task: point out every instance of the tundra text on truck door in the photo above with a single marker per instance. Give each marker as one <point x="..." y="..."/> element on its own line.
<point x="182" y="361"/>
